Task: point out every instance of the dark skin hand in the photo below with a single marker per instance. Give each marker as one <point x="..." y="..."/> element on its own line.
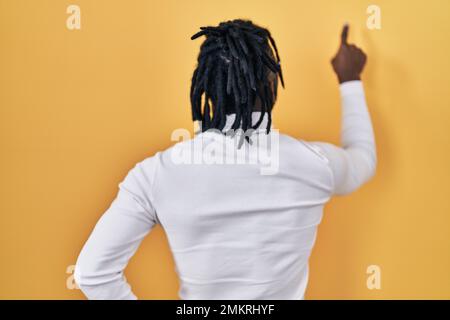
<point x="349" y="61"/>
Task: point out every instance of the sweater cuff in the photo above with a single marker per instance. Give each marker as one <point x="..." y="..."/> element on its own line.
<point x="351" y="88"/>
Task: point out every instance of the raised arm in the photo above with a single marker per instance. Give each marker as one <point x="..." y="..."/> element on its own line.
<point x="116" y="237"/>
<point x="354" y="162"/>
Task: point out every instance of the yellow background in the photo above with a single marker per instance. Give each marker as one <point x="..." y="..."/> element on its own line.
<point x="80" y="108"/>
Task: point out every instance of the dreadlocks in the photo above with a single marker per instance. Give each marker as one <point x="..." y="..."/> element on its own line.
<point x="233" y="67"/>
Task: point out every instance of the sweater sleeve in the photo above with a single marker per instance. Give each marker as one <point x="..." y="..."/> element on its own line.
<point x="354" y="162"/>
<point x="116" y="237"/>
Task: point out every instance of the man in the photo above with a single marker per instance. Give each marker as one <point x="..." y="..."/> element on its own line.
<point x="234" y="232"/>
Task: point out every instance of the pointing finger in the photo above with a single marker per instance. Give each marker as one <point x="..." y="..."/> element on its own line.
<point x="344" y="34"/>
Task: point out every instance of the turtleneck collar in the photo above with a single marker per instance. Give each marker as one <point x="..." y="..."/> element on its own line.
<point x="255" y="117"/>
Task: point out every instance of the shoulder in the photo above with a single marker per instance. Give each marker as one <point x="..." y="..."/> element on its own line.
<point x="163" y="158"/>
<point x="302" y="146"/>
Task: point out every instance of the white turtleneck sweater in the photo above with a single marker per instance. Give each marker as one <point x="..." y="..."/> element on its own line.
<point x="237" y="229"/>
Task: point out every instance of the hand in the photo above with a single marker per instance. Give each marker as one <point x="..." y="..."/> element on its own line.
<point x="349" y="61"/>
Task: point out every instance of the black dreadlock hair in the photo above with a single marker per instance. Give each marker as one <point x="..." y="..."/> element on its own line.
<point x="233" y="67"/>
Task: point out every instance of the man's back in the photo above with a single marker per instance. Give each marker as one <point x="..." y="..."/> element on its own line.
<point x="236" y="233"/>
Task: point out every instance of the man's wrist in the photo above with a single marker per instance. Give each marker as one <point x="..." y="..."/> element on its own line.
<point x="348" y="78"/>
